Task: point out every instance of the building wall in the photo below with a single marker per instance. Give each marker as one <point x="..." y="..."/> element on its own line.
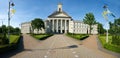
<point x="74" y="27"/>
<point x="81" y="28"/>
<point x="26" y="28"/>
<point x="71" y="26"/>
<point x="94" y="29"/>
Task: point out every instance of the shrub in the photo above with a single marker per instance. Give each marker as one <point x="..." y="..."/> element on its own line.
<point x="112" y="47"/>
<point x="12" y="46"/>
<point x="116" y="39"/>
<point x="4" y="39"/>
<point x="41" y="36"/>
<point x="78" y="36"/>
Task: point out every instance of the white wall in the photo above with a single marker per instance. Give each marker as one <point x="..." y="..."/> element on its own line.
<point x="81" y="28"/>
<point x="25" y="27"/>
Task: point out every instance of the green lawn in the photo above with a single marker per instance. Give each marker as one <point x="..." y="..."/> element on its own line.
<point x="14" y="38"/>
<point x="41" y="36"/>
<point x="103" y="39"/>
<point x="109" y="45"/>
<point x="78" y="36"/>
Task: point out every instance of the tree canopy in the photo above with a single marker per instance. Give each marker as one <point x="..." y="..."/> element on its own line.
<point x="101" y="30"/>
<point x="115" y="27"/>
<point x="38" y="24"/>
<point x="4" y="29"/>
<point x="90" y="20"/>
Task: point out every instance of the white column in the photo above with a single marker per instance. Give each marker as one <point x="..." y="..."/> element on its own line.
<point x="49" y="29"/>
<point x="57" y="25"/>
<point x="53" y="25"/>
<point x="61" y="26"/>
<point x="65" y="27"/>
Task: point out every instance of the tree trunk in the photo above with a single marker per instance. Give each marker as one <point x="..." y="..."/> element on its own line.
<point x="37" y="31"/>
<point x="90" y="29"/>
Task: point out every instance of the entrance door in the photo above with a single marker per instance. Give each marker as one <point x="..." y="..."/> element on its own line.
<point x="63" y="31"/>
<point x="58" y="31"/>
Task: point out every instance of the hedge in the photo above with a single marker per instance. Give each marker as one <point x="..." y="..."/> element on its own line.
<point x="78" y="36"/>
<point x="8" y="47"/>
<point x="41" y="38"/>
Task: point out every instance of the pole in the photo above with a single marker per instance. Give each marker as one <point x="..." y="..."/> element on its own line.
<point x="107" y="33"/>
<point x="9" y="21"/>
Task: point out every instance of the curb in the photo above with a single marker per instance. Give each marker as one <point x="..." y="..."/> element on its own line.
<point x="101" y="48"/>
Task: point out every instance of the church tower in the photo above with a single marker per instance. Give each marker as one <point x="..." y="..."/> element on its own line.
<point x="59" y="7"/>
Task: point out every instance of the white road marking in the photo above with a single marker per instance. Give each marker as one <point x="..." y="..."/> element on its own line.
<point x="76" y="56"/>
<point x="45" y="56"/>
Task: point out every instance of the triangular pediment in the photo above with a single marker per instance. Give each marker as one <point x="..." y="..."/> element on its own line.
<point x="61" y="15"/>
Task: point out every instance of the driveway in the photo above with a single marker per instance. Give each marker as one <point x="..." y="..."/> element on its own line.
<point x="57" y="46"/>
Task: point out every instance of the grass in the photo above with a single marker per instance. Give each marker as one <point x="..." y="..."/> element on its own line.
<point x="109" y="45"/>
<point x="14" y="38"/>
<point x="2" y="46"/>
<point x="41" y="36"/>
<point x="78" y="36"/>
<point x="103" y="39"/>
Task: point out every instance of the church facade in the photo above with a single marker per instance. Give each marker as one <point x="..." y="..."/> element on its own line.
<point x="60" y="22"/>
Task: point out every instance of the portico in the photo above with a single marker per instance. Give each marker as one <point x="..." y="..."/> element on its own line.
<point x="59" y="25"/>
<point x="58" y="21"/>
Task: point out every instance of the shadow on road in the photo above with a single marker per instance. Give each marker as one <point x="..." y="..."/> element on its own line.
<point x="14" y="52"/>
<point x="66" y="47"/>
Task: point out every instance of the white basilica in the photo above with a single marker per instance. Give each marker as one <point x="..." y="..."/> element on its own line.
<point x="60" y="22"/>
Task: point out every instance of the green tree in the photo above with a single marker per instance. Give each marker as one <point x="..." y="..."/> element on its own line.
<point x="11" y="29"/>
<point x="3" y="36"/>
<point x="117" y="22"/>
<point x="38" y="24"/>
<point x="101" y="30"/>
<point x="0" y="29"/>
<point x="90" y="20"/>
<point x="115" y="27"/>
<point x="4" y="29"/>
<point x="17" y="30"/>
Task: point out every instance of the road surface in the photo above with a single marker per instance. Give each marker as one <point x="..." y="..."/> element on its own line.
<point x="57" y="46"/>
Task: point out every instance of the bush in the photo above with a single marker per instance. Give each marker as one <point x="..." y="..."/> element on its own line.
<point x="116" y="39"/>
<point x="78" y="36"/>
<point x="112" y="47"/>
<point x="41" y="36"/>
<point x="4" y="39"/>
<point x="11" y="46"/>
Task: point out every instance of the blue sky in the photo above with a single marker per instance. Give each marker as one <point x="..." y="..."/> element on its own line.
<point x="27" y="10"/>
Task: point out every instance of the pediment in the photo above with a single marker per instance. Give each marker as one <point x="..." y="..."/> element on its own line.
<point x="57" y="14"/>
<point x="61" y="15"/>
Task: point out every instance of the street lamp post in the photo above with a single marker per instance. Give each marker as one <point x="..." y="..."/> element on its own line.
<point x="11" y="4"/>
